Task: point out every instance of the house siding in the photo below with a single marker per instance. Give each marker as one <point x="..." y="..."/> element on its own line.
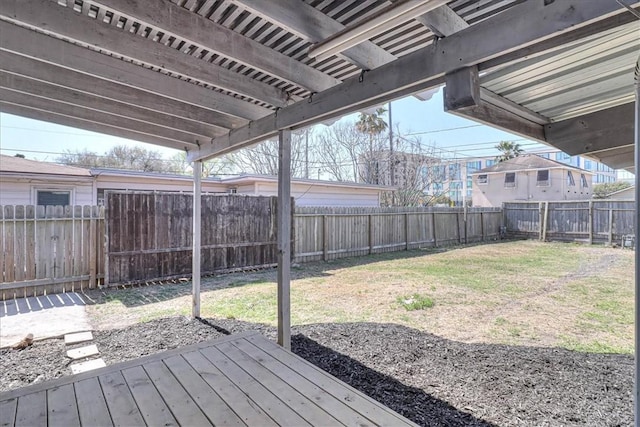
<point x="23" y="192"/>
<point x="320" y="195"/>
<point x="495" y="194"/>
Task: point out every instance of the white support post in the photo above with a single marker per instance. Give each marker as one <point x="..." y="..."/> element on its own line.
<point x="197" y="220"/>
<point x="636" y="226"/>
<point x="284" y="238"/>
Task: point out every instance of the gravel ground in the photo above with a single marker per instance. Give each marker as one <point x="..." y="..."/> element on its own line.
<point x="432" y="381"/>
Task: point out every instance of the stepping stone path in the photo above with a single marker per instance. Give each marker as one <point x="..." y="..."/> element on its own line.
<point x="85" y="352"/>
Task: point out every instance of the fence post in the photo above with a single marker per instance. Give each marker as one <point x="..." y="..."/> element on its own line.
<point x="325" y="238"/>
<point x="482" y="226"/>
<point x="458" y="227"/>
<point x="370" y="216"/>
<point x="540" y="220"/>
<point x="590" y="222"/>
<point x="406" y="231"/>
<point x="93" y="249"/>
<point x="610" y="226"/>
<point x="433" y="222"/>
<point x="545" y="220"/>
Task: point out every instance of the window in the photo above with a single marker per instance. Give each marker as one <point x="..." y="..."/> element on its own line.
<point x="588" y="165"/>
<point x="483" y="179"/>
<point x="510" y="180"/>
<point x="583" y="181"/>
<point x="562" y="157"/>
<point x="454" y="171"/>
<point x="473" y="167"/>
<point x="489" y="162"/>
<point x="53" y="198"/>
<point x="570" y="181"/>
<point x="543" y="178"/>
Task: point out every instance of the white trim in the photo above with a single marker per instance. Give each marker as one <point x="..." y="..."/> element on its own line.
<point x="36" y="188"/>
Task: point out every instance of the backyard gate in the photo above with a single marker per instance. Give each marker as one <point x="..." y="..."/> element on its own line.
<point x="149" y="234"/>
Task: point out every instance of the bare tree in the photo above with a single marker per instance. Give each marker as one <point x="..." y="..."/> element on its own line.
<point x="214" y="167"/>
<point x="118" y="157"/>
<point x="263" y="158"/>
<point x="337" y="151"/>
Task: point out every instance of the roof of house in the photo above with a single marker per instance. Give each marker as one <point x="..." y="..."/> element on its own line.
<point x="526" y="162"/>
<point x="11" y="164"/>
<point x="624" y="190"/>
<point x="246" y="178"/>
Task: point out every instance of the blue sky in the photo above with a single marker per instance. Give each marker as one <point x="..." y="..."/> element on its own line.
<point x="42" y="141"/>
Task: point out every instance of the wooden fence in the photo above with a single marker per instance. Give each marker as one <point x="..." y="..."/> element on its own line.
<point x="50" y="250"/>
<point x="330" y="233"/>
<point x="150" y="234"/>
<point x="598" y="221"/>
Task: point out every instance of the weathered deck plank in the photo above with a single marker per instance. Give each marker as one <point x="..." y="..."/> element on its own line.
<point x="8" y="412"/>
<point x="62" y="407"/>
<point x="181" y="404"/>
<point x="92" y="407"/>
<point x="122" y="407"/>
<point x="241" y="380"/>
<point x="153" y="409"/>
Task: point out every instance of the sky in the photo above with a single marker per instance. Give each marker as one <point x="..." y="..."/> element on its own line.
<point x="452" y="136"/>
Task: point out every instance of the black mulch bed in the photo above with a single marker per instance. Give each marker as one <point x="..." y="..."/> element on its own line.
<point x="430" y="380"/>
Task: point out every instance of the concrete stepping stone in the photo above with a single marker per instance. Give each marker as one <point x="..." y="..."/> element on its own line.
<point x="78" y="337"/>
<point x="89" y="365"/>
<point x="82" y="352"/>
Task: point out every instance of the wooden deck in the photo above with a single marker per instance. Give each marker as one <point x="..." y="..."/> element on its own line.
<point x="238" y="380"/>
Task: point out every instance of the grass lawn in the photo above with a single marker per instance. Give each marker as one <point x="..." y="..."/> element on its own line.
<point x="520" y="293"/>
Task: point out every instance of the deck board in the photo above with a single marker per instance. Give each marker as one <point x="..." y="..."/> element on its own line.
<point x="62" y="407"/>
<point x="239" y="380"/>
<point x="92" y="407"/>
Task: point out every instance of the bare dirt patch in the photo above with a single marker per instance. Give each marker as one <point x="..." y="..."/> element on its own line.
<point x="431" y="380"/>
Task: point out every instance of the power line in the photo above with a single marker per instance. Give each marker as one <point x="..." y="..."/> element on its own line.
<point x="48" y="131"/>
<point x="442" y="130"/>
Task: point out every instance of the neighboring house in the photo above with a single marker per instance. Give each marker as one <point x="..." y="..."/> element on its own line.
<point x="529" y="177"/>
<point x="29" y="182"/>
<point x="628" y="193"/>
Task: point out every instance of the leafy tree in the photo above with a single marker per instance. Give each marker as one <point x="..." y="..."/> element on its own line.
<point x="508" y="150"/>
<point x="601" y="191"/>
<point x="118" y="157"/>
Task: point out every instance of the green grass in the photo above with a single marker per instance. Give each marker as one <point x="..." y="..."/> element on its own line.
<point x="415" y="302"/>
<point x="515" y="293"/>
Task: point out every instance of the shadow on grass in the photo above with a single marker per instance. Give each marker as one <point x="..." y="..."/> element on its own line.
<point x="158" y="291"/>
<point x="410" y="402"/>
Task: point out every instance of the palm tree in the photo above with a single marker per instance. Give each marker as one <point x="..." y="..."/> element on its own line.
<point x="509" y="150"/>
<point x="371" y="124"/>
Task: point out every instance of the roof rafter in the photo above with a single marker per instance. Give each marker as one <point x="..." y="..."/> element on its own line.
<point x="22" y="41"/>
<point x="42" y="89"/>
<point x="201" y="31"/>
<point x="484" y="41"/>
<point x="42" y="71"/>
<point x="65" y="22"/>
<point x="309" y="23"/>
<point x="9" y="96"/>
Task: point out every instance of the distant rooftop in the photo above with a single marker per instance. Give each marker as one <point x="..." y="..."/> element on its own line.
<point x="10" y="164"/>
<point x="526" y="162"/>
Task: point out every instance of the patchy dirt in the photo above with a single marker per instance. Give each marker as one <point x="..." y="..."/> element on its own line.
<point x="432" y="381"/>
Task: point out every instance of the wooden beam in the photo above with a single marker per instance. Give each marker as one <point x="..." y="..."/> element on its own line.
<point x="39" y="89"/>
<point x="617" y="158"/>
<point x="423" y="69"/>
<point x="33" y="69"/>
<point x="28" y="43"/>
<point x="307" y="22"/>
<point x="65" y="22"/>
<point x="464" y="97"/>
<point x="593" y="132"/>
<point x="47" y="116"/>
<point x="284" y="238"/>
<point x="201" y="31"/>
<point x="443" y="21"/>
<point x="197" y="223"/>
<point x="70" y="110"/>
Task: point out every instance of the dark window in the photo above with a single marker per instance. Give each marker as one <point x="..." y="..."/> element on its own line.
<point x="53" y="198"/>
<point x="510" y="179"/>
<point x="543" y="177"/>
<point x="583" y="181"/>
<point x="483" y="179"/>
<point x="570" y="181"/>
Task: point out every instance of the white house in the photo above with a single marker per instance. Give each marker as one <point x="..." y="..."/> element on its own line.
<point x="25" y="182"/>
